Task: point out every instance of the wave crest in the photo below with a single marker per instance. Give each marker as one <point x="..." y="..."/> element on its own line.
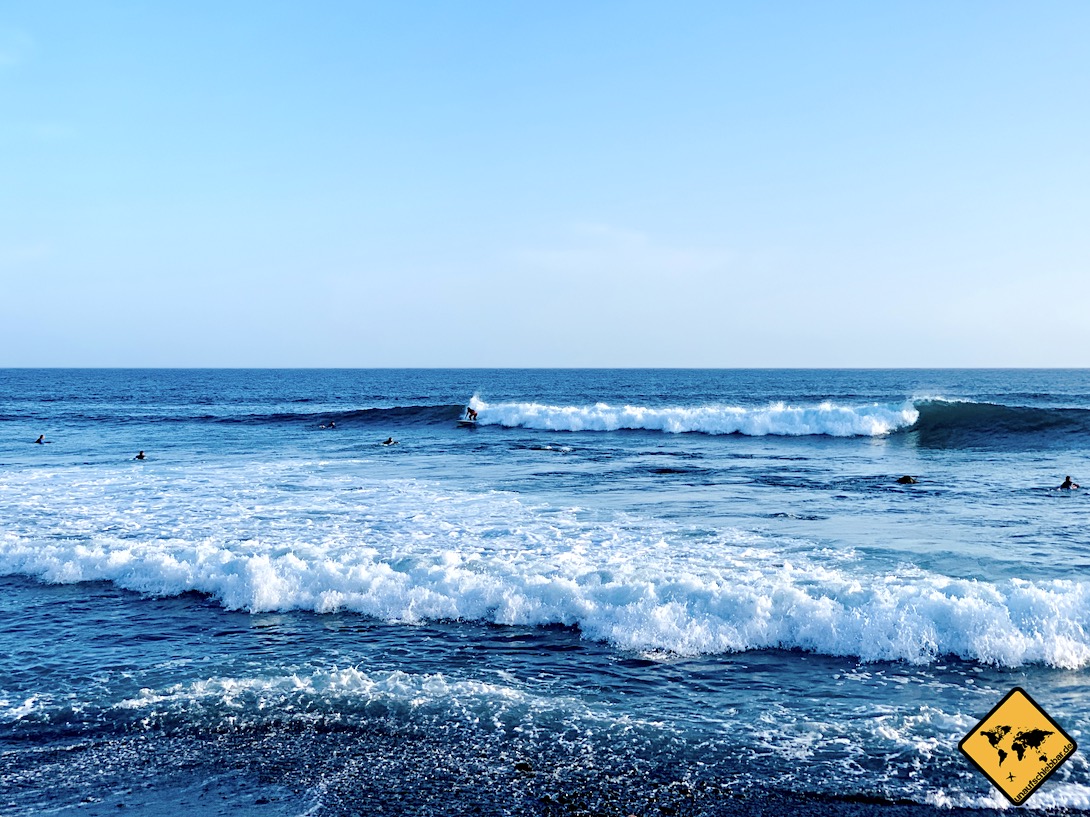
<point x="825" y="418"/>
<point x="966" y="424"/>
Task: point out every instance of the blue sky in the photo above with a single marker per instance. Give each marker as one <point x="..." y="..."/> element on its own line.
<point x="544" y="184"/>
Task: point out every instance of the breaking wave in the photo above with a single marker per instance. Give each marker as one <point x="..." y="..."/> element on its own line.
<point x="934" y="422"/>
<point x="775" y="419"/>
<point x="405" y="551"/>
<point x="956" y="424"/>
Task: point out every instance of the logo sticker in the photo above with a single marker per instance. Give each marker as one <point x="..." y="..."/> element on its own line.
<point x="1017" y="746"/>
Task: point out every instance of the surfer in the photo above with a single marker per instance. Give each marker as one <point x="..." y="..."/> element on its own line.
<point x="40" y="440"/>
<point x="139" y="456"/>
<point x="471" y="415"/>
<point x="1068" y="484"/>
<point x="907" y="480"/>
<point x="389" y="441"/>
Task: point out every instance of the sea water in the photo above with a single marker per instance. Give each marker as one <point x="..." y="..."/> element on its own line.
<point x="621" y="592"/>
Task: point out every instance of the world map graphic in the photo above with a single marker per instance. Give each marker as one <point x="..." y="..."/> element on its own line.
<point x="1022" y="742"/>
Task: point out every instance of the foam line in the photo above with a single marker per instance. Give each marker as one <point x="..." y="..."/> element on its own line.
<point x="825" y="418"/>
<point x="427" y="553"/>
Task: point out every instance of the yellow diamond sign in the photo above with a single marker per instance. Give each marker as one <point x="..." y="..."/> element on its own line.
<point x="1017" y="746"/>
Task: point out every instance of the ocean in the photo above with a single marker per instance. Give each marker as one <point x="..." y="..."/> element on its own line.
<point x="622" y="592"/>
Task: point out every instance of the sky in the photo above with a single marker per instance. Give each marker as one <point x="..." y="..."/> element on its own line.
<point x="691" y="184"/>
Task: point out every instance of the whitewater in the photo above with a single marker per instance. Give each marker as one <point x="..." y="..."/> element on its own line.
<point x="712" y="577"/>
<point x="637" y="584"/>
<point x="776" y="418"/>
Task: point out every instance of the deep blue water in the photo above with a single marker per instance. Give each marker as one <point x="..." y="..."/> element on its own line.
<point x="622" y="591"/>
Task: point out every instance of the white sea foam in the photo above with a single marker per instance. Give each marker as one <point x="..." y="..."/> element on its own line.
<point x="350" y="694"/>
<point x="1053" y="796"/>
<point x="870" y="420"/>
<point x="409" y="551"/>
<point x="13" y="710"/>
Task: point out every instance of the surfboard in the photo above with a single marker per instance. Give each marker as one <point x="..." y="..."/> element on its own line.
<point x="467" y="423"/>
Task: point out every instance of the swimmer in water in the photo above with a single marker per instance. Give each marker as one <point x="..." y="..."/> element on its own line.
<point x="139" y="456"/>
<point x="1068" y="484"/>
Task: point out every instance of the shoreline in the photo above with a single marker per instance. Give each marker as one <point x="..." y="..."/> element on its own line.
<point x="286" y="771"/>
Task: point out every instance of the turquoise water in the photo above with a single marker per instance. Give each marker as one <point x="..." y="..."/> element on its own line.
<point x="621" y="591"/>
